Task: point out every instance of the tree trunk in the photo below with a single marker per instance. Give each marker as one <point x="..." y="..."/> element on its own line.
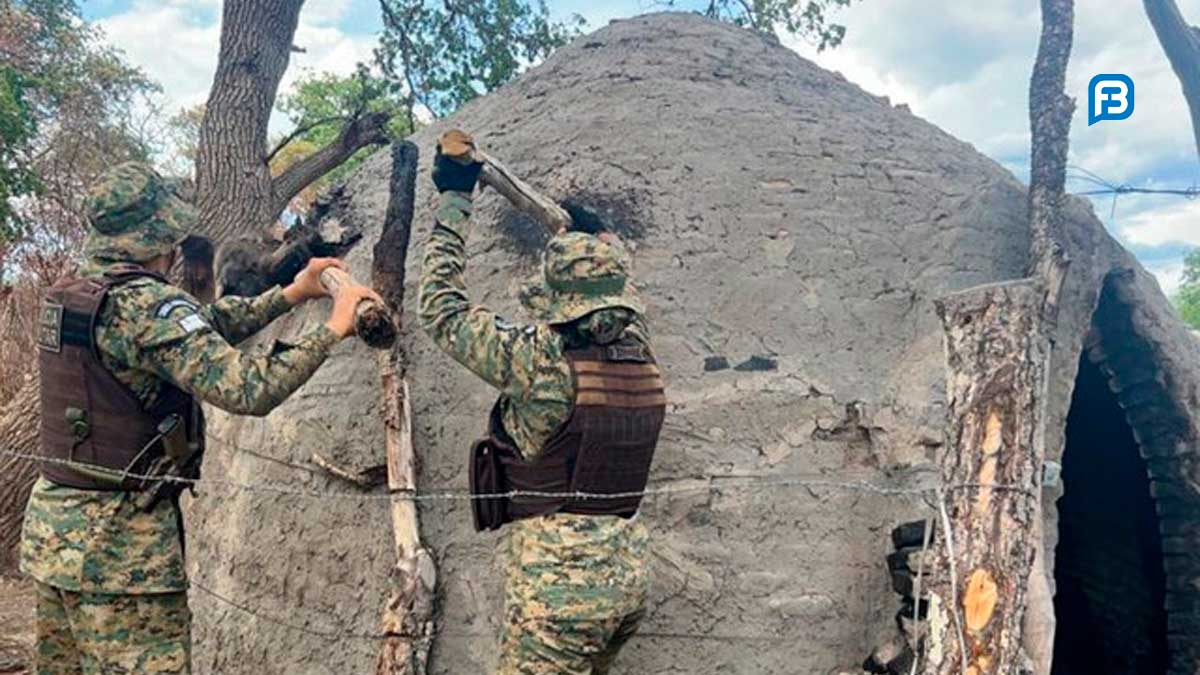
<point x="235" y="192"/>
<point x="1050" y="111"/>
<point x="996" y="362"/>
<point x="408" y="616"/>
<point x="1181" y="42"/>
<point x="997" y="358"/>
<point x="18" y="433"/>
<point x="233" y="182"/>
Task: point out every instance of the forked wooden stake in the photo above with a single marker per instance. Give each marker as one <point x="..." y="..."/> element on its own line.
<point x="460" y="146"/>
<point x="373" y="322"/>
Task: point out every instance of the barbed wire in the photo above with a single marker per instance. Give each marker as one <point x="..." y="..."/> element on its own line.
<point x="1107" y="187"/>
<point x="695" y="485"/>
<point x="934" y="497"/>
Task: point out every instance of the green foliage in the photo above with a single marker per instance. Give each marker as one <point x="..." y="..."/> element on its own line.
<point x="806" y="18"/>
<point x="69" y="106"/>
<point x="322" y="104"/>
<point x="17" y="127"/>
<point x="1187" y="300"/>
<point x="445" y="53"/>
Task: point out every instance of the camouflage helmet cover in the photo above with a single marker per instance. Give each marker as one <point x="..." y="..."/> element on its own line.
<point x="135" y="215"/>
<point x="582" y="274"/>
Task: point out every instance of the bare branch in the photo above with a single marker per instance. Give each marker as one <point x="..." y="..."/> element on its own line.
<point x="300" y="131"/>
<point x="1182" y="46"/>
<point x="367" y="130"/>
<point x="1050" y="111"/>
<point x="406" y="48"/>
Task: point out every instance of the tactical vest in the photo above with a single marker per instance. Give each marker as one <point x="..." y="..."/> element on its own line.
<point x="604" y="448"/>
<point x="88" y="415"/>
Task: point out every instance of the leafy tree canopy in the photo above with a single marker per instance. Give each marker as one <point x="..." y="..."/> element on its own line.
<point x="70" y="105"/>
<point x="1187" y="300"/>
<point x="444" y="53"/>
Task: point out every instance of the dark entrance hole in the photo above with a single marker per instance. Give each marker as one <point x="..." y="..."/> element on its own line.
<point x="1108" y="564"/>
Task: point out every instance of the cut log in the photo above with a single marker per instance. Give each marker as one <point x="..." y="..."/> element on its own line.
<point x="996" y="360"/>
<point x="459" y="145"/>
<point x="373" y="323"/>
<point x="992" y="588"/>
<point x="408" y="616"/>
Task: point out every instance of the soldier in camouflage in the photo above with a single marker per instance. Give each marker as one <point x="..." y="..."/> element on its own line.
<point x="110" y="576"/>
<point x="575" y="584"/>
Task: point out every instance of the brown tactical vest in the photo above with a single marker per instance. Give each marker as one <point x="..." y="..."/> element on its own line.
<point x="605" y="447"/>
<point x="88" y="415"/>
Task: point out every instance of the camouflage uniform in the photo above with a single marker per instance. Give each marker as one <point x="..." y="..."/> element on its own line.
<point x="575" y="585"/>
<point x="111" y="584"/>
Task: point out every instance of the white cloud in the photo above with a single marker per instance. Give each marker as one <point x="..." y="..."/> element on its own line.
<point x="166" y="41"/>
<point x="965" y="66"/>
<point x="324" y="12"/>
<point x="1177" y="222"/>
<point x="176" y="43"/>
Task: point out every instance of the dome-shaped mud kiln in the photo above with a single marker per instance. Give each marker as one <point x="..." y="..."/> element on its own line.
<point x="791" y="234"/>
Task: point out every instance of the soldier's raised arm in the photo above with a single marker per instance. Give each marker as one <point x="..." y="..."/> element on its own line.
<point x="502" y="353"/>
<point x="171" y="337"/>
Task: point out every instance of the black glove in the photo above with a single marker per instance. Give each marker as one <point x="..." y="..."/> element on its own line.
<point x="450" y="174"/>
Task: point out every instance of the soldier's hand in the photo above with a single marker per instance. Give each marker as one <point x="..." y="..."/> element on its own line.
<point x="345" y="301"/>
<point x="307" y="284"/>
<point x="452" y="174"/>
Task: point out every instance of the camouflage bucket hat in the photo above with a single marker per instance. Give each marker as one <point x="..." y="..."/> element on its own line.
<point x="135" y="215"/>
<point x="582" y="274"/>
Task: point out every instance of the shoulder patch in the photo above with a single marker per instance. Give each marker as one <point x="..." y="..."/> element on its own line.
<point x="192" y="323"/>
<point x="50" y="327"/>
<point x="165" y="307"/>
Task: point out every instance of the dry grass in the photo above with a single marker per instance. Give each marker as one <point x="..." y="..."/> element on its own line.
<point x="18" y="310"/>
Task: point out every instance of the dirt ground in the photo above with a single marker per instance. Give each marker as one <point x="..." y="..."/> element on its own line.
<point x="16" y="624"/>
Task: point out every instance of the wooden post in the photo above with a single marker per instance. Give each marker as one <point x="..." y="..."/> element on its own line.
<point x="408" y="616"/>
<point x="997" y="361"/>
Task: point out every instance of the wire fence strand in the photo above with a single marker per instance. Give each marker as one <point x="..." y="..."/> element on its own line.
<point x="933" y="497"/>
<point x="680" y="486"/>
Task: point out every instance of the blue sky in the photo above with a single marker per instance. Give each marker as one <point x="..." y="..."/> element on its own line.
<point x="961" y="65"/>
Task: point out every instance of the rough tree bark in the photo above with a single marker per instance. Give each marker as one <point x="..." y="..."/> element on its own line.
<point x="1181" y="42"/>
<point x="18" y="433"/>
<point x="998" y="349"/>
<point x="235" y="191"/>
<point x="408" y="616"/>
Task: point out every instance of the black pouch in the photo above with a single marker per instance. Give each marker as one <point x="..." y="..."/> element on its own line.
<point x="487" y="479"/>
